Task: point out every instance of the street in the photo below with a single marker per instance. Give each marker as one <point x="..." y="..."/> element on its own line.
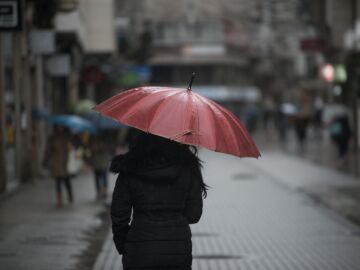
<point x="256" y="217"/>
<point x="272" y="86"/>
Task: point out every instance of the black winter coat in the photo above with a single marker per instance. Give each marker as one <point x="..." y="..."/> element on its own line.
<point x="161" y="201"/>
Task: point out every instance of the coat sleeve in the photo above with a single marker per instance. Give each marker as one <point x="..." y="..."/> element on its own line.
<point x="194" y="201"/>
<point x="120" y="212"/>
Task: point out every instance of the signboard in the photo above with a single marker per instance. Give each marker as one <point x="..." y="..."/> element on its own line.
<point x="203" y="50"/>
<point x="312" y="45"/>
<point x="59" y="65"/>
<point x="135" y="75"/>
<point x="10" y="15"/>
<point x="42" y="42"/>
<point x="225" y="93"/>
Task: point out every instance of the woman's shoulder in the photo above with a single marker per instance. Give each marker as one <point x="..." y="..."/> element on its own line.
<point x="127" y="179"/>
<point x="117" y="163"/>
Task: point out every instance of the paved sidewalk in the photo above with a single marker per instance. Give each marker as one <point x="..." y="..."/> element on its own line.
<point x="255" y="217"/>
<point x="332" y="181"/>
<point x="318" y="150"/>
<point x="35" y="235"/>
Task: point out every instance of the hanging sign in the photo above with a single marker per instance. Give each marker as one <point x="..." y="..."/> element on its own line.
<point x="59" y="65"/>
<point x="135" y="75"/>
<point x="312" y="45"/>
<point x="42" y="42"/>
<point x="10" y="15"/>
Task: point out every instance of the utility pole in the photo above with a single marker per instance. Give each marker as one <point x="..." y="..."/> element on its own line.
<point x="39" y="126"/>
<point x="355" y="111"/>
<point x="354" y="85"/>
<point x="27" y="97"/>
<point x="2" y="120"/>
<point x="16" y="58"/>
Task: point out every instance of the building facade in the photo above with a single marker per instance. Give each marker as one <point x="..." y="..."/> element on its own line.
<point x="42" y="65"/>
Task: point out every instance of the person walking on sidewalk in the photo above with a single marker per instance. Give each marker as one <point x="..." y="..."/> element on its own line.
<point x="340" y="132"/>
<point x="99" y="159"/>
<point x="161" y="186"/>
<point x="56" y="157"/>
<point x="301" y="125"/>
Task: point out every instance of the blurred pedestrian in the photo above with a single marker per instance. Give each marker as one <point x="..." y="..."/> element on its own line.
<point x="56" y="158"/>
<point x="99" y="160"/>
<point x="251" y="117"/>
<point x="340" y="133"/>
<point x="301" y="125"/>
<point x="268" y="112"/>
<point x="318" y="117"/>
<point x="9" y="132"/>
<point x="159" y="181"/>
<point x="282" y="125"/>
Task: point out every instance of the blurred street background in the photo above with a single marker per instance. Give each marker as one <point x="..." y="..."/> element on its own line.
<point x="288" y="69"/>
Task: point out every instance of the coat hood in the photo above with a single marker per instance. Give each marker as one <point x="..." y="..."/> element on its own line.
<point x="152" y="170"/>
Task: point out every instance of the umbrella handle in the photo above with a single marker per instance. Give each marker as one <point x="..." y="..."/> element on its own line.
<point x="191" y="81"/>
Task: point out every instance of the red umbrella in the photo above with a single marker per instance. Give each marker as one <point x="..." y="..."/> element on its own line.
<point x="181" y="115"/>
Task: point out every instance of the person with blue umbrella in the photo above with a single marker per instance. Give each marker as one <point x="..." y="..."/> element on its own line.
<point x="74" y="123"/>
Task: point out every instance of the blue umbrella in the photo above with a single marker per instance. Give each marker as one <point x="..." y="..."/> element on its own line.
<point x="75" y="123"/>
<point x="102" y="122"/>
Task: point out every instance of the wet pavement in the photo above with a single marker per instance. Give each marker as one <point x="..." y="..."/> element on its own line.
<point x="258" y="215"/>
<point x="318" y="149"/>
<point x="281" y="211"/>
<point x="341" y="189"/>
<point x="34" y="234"/>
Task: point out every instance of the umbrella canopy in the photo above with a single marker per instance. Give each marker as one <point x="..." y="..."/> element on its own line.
<point x="74" y="123"/>
<point x="102" y="122"/>
<point x="181" y="115"/>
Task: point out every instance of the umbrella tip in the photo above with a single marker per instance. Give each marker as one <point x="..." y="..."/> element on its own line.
<point x="191" y="81"/>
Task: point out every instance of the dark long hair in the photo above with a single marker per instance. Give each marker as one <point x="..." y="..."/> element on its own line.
<point x="145" y="147"/>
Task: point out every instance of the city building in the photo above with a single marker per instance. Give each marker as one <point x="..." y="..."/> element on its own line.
<point x="42" y="61"/>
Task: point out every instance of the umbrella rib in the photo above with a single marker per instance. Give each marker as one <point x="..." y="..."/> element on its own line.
<point x="117" y="104"/>
<point x="194" y="110"/>
<point x="157" y="110"/>
<point x="243" y="132"/>
<point x="212" y="109"/>
<point x="213" y="120"/>
<point x="241" y="129"/>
